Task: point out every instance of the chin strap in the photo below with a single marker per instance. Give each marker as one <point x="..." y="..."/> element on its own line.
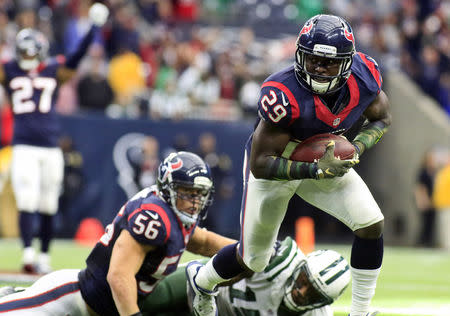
<point x="369" y="135"/>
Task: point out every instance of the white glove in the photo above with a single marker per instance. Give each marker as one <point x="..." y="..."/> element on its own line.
<point x="98" y="14"/>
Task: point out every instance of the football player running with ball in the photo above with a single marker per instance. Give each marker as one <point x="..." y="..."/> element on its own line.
<point x="31" y="81"/>
<point x="141" y="246"/>
<point x="327" y="90"/>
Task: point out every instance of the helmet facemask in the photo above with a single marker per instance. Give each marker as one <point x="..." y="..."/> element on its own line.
<point x="311" y="298"/>
<point x="185" y="183"/>
<point x="198" y="197"/>
<point x="322" y="84"/>
<point x="324" y="273"/>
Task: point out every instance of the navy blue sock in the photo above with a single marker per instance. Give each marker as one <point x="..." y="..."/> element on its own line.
<point x="46" y="232"/>
<point x="26" y="228"/>
<point x="367" y="254"/>
<point x="225" y="262"/>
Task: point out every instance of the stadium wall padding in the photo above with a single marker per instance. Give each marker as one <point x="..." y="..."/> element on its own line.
<point x="101" y="196"/>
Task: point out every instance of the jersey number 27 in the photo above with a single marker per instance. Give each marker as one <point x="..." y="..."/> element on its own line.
<point x="23" y="89"/>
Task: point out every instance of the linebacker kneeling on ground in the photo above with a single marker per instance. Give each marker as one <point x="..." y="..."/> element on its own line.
<point x="141" y="246"/>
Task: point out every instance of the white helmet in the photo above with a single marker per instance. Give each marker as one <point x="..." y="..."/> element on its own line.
<point x="325" y="272"/>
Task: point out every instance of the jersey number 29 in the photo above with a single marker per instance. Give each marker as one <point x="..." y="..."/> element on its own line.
<point x="278" y="111"/>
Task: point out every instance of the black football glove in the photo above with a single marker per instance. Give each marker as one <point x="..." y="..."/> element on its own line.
<point x="329" y="167"/>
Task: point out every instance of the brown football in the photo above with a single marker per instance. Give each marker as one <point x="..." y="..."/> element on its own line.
<point x="314" y="147"/>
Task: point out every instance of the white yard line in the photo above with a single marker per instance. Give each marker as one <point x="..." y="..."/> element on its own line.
<point x="18" y="278"/>
<point x="443" y="310"/>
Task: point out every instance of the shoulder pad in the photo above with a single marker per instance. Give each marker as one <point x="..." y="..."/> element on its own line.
<point x="149" y="224"/>
<point x="277" y="104"/>
<point x="369" y="71"/>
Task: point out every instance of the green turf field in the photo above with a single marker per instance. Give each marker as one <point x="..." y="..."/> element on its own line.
<point x="413" y="282"/>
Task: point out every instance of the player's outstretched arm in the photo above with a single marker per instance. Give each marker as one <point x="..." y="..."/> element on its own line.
<point x="379" y="116"/>
<point x="126" y="260"/>
<point x="206" y="243"/>
<point x="98" y="15"/>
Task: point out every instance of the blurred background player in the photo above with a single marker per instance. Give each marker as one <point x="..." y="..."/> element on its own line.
<point x="31" y="81"/>
<point x="141" y="246"/>
<point x="329" y="89"/>
<point x="292" y="284"/>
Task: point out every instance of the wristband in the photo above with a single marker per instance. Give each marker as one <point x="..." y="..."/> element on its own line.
<point x="279" y="168"/>
<point x="136" y="314"/>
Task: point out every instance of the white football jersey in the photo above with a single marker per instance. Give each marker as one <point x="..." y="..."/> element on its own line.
<point x="262" y="294"/>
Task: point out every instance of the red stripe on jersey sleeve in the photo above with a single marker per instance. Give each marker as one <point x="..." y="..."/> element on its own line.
<point x="294" y="108"/>
<point x="158" y="209"/>
<point x="373" y="69"/>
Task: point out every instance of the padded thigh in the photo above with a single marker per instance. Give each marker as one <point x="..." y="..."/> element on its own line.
<point x="264" y="209"/>
<point x="347" y="198"/>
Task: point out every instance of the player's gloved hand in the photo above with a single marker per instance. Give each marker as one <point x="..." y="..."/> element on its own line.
<point x="357" y="149"/>
<point x="98" y="14"/>
<point x="329" y="167"/>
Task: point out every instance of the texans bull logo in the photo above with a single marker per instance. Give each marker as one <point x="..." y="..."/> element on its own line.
<point x="306" y="29"/>
<point x="168" y="167"/>
<point x="349" y="35"/>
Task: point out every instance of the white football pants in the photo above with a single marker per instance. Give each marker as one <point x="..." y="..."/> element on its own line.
<point x="265" y="203"/>
<point x="36" y="176"/>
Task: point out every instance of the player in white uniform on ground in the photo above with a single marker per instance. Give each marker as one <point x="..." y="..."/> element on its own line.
<point x="292" y="284"/>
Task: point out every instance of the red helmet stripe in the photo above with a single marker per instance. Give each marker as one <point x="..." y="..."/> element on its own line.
<point x="177" y="165"/>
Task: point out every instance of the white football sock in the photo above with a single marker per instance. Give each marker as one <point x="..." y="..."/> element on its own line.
<point x="207" y="277"/>
<point x="364" y="283"/>
<point x="28" y="255"/>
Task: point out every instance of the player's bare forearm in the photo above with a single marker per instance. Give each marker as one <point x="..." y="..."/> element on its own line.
<point x="121" y="277"/>
<point x="379" y="116"/>
<point x="207" y="243"/>
<point x="124" y="292"/>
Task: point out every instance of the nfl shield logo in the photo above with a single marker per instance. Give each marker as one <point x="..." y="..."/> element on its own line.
<point x="336" y="121"/>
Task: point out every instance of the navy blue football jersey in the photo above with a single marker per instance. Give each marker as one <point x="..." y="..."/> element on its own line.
<point x="150" y="221"/>
<point x="285" y="103"/>
<point x="33" y="95"/>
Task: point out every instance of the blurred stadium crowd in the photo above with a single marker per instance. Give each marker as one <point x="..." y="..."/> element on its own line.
<point x="205" y="59"/>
